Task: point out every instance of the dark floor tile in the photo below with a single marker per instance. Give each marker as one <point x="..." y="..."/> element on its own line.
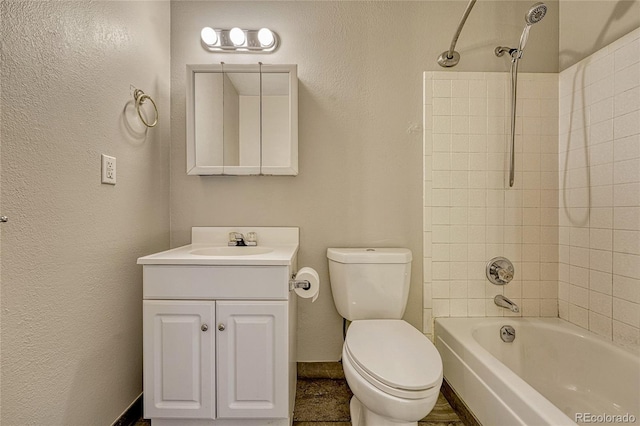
<point x="322" y="400"/>
<point x="321" y="423"/>
<point x="442" y="413"/>
<point x="320" y="370"/>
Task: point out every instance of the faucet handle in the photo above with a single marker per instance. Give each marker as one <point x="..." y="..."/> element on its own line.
<point x="505" y="275"/>
<point x="234" y="238"/>
<point x="251" y="239"/>
<point x="500" y="270"/>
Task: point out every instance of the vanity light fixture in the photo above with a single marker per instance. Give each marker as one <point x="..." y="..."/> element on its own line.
<point x="239" y="40"/>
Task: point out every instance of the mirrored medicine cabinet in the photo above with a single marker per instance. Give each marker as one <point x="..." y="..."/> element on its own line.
<point x="242" y="119"/>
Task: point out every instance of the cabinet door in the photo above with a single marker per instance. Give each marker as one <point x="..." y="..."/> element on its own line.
<point x="178" y="355"/>
<point x="252" y="354"/>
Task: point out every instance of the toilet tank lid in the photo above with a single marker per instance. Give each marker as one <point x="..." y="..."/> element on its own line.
<point x="369" y="255"/>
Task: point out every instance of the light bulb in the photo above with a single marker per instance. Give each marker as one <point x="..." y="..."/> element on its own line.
<point x="237" y="36"/>
<point x="265" y="36"/>
<point x="209" y="36"/>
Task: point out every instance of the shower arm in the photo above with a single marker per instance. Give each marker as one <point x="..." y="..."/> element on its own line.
<point x="450" y="58"/>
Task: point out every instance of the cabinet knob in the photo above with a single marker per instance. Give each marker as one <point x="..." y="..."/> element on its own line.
<point x="204" y="327"/>
<point x="221" y="327"/>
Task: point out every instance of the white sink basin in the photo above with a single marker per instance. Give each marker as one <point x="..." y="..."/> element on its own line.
<point x="231" y="251"/>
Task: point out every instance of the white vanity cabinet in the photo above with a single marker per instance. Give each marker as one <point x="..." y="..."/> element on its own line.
<point x="203" y="354"/>
<point x="219" y="333"/>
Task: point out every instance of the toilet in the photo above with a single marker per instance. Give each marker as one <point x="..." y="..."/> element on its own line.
<point x="393" y="370"/>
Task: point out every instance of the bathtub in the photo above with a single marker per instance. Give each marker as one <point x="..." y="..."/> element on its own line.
<point x="553" y="373"/>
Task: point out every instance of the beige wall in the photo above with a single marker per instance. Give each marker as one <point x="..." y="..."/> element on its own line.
<point x="360" y="68"/>
<point x="71" y="290"/>
<point x="587" y="26"/>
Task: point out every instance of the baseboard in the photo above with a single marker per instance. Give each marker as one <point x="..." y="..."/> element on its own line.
<point x="131" y="415"/>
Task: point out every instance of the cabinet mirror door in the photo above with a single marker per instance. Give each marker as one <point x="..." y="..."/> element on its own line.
<point x="277" y="134"/>
<point x="241" y="133"/>
<point x="242" y="120"/>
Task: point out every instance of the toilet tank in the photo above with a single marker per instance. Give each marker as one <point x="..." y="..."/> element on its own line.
<point x="370" y="283"/>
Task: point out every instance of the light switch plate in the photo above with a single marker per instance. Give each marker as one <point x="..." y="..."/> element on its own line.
<point x="108" y="169"/>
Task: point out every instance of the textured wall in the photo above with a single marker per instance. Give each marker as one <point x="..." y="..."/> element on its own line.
<point x="71" y="291"/>
<point x="471" y="214"/>
<point x="587" y="26"/>
<point x="600" y="192"/>
<point x="360" y="68"/>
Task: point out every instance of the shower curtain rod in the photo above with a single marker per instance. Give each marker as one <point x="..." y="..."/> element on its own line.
<point x="450" y="58"/>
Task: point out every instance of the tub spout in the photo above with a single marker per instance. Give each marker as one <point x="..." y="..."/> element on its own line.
<point x="504" y="302"/>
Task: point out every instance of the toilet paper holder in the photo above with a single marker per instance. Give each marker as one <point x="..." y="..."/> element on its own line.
<point x="293" y="283"/>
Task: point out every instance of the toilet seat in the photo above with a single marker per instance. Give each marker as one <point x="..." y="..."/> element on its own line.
<point x="394" y="357"/>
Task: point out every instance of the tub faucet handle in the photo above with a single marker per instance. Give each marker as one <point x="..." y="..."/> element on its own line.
<point x="505" y="275"/>
<point x="500" y="270"/>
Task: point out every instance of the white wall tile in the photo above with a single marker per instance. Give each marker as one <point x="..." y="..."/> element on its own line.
<point x="427" y="321"/>
<point x="627" y="55"/>
<point x="627" y="265"/>
<point x="458" y="307"/>
<point x="600" y="281"/>
<point x="600" y="325"/>
<point x="460" y="88"/>
<point x="626" y="125"/>
<point x="626" y="241"/>
<point x="441" y="88"/>
<point x="627" y="218"/>
<point x="626" y="195"/>
<point x="626" y="312"/>
<point x="627" y="78"/>
<point x="442" y="106"/>
<point x="440" y="308"/>
<point x="626" y="288"/>
<point x="600" y="303"/>
<point x="473" y="216"/>
<point x="579" y="316"/>
<point x="627" y="101"/>
<point x="625" y="334"/>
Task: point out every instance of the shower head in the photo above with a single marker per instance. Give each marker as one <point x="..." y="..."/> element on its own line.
<point x="533" y="16"/>
<point x="535" y="13"/>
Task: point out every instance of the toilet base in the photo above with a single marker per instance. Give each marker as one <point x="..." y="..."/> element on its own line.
<point x="361" y="416"/>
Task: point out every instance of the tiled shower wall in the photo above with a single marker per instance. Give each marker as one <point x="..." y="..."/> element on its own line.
<point x="470" y="213"/>
<point x="599" y="180"/>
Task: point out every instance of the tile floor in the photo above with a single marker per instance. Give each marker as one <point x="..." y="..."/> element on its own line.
<point x="322" y="399"/>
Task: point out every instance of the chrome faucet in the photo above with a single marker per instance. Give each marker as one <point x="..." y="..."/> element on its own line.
<point x="237" y="239"/>
<point x="504" y="302"/>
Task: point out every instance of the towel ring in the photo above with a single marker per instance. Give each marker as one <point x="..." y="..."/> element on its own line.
<point x="140" y="97"/>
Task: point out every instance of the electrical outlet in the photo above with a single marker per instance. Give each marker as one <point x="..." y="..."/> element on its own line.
<point x="108" y="169"/>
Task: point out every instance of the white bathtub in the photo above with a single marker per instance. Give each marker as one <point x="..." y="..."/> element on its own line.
<point x="551" y="372"/>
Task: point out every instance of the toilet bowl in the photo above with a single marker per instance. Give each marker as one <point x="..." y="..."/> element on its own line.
<point x="393" y="370"/>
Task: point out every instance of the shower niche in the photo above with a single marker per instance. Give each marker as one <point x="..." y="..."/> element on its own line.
<point x="242" y="119"/>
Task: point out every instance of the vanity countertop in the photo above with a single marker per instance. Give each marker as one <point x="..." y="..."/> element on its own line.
<point x="276" y="246"/>
<point x="279" y="255"/>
